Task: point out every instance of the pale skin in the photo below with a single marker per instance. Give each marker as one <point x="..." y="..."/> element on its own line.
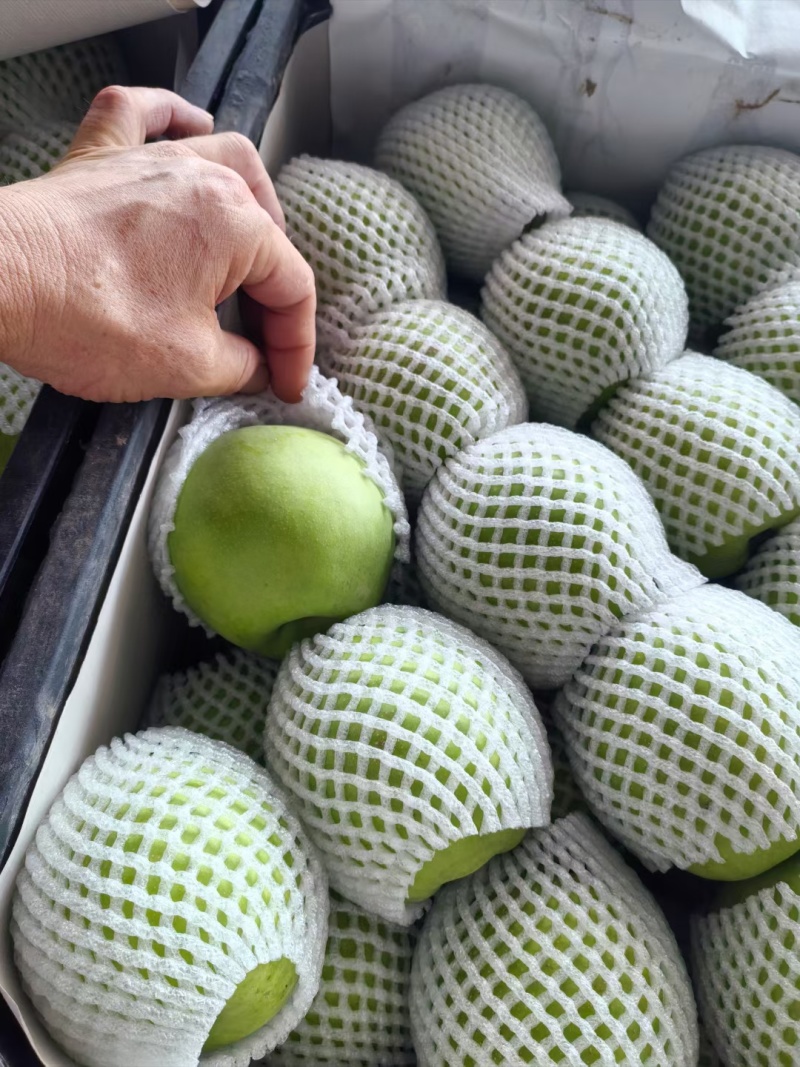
<point x="113" y="263"/>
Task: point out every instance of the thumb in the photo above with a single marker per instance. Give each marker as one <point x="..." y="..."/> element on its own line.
<point x="237" y="367"/>
<point x="121" y="117"/>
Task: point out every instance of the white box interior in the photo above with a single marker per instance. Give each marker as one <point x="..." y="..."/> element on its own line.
<point x="669" y="77"/>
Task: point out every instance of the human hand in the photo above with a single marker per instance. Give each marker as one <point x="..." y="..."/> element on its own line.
<point x="112" y="264"/>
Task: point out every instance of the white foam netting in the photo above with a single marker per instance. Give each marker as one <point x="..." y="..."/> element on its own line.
<point x="322" y="408"/>
<point x="772" y="574"/>
<point x="367" y="240"/>
<point x="541" y="541"/>
<point x="763" y="336"/>
<point x="729" y="218"/>
<point x="17" y="396"/>
<point x="582" y="305"/>
<point x="397" y="734"/>
<point x="684" y="727"/>
<point x="594" y="206"/>
<point x="480" y="161"/>
<point x="717" y="448"/>
<point x="432" y="379"/>
<point x="360" y="1015"/>
<point x="148" y="895"/>
<point x="34" y="152"/>
<point x="224" y="699"/>
<point x="57" y="84"/>
<point x="553" y="953"/>
<point x="747" y="976"/>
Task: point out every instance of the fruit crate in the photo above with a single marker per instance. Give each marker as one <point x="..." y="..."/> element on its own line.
<point x="619" y="86"/>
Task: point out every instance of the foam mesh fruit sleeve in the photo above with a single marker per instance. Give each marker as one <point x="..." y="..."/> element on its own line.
<point x="717" y="448"/>
<point x="17" y="397"/>
<point x="322" y="408"/>
<point x="480" y="161"/>
<point x="366" y="238"/>
<point x="583" y="305"/>
<point x="600" y="207"/>
<point x="168" y="869"/>
<point x="431" y="378"/>
<point x="360" y="1016"/>
<point x="728" y="219"/>
<point x="224" y="699"/>
<point x="772" y="574"/>
<point x="399" y="734"/>
<point x="541" y="541"/>
<point x="763" y="336"/>
<point x="553" y="953"/>
<point x="33" y="152"/>
<point x="683" y="732"/>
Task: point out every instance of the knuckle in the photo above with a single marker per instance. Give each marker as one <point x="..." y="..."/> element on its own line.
<point x="240" y="145"/>
<point x="112" y="97"/>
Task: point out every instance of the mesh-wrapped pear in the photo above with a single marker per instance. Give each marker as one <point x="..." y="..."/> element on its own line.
<point x="33" y="152"/>
<point x="683" y="731"/>
<point x="360" y="1016"/>
<point x="413" y="752"/>
<point x="763" y="336"/>
<point x="582" y="305"/>
<point x="600" y="207"/>
<point x="554" y="953"/>
<point x="718" y="450"/>
<point x="228" y="579"/>
<point x="366" y="238"/>
<point x="225" y="699"/>
<point x="432" y="380"/>
<point x="772" y="574"/>
<point x="17" y="396"/>
<point x="747" y="970"/>
<point x="541" y="540"/>
<point x="57" y="84"/>
<point x="729" y="219"/>
<point x="480" y="161"/>
<point x="171" y="909"/>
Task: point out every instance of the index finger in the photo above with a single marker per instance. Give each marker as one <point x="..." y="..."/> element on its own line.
<point x="282" y="283"/>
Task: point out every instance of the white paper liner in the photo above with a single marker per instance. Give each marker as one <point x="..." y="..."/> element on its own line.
<point x="729" y="218"/>
<point x="554" y="952"/>
<point x="747" y="973"/>
<point x="367" y="239"/>
<point x="582" y="305"/>
<point x="322" y="408"/>
<point x="600" y="207"/>
<point x="717" y="448"/>
<point x="359" y="1017"/>
<point x="432" y="379"/>
<point x="34" y="152"/>
<point x="541" y="540"/>
<point x="398" y="733"/>
<point x="224" y="699"/>
<point x="772" y="574"/>
<point x="17" y="397"/>
<point x="480" y="161"/>
<point x="111" y="986"/>
<point x="57" y="84"/>
<point x="682" y="726"/>
<point x="763" y="336"/>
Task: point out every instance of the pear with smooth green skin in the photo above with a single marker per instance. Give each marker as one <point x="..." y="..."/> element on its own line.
<point x="413" y="752"/>
<point x="683" y="731"/>
<point x="717" y="448"/>
<point x="747" y="976"/>
<point x="188" y="911"/>
<point x="279" y="533"/>
<point x="554" y="953"/>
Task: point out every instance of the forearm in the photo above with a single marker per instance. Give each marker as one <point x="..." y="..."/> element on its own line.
<point x="23" y="255"/>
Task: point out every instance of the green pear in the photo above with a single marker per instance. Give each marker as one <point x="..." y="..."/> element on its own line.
<point x="413" y="752"/>
<point x="772" y="574"/>
<point x="17" y="397"/>
<point x="718" y="450"/>
<point x="729" y="219"/>
<point x="171" y="904"/>
<point x="593" y="206"/>
<point x="278" y="532"/>
<point x="682" y="729"/>
<point x="553" y="953"/>
<point x="583" y="305"/>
